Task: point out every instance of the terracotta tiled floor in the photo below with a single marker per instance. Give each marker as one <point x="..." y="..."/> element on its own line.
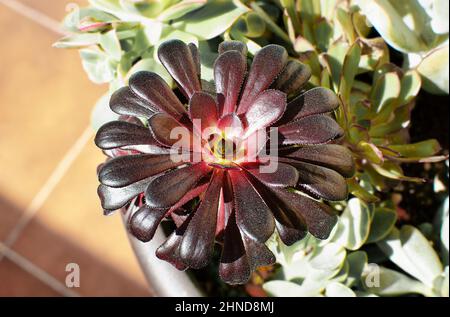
<point x="49" y="212"/>
<point x="24" y="283"/>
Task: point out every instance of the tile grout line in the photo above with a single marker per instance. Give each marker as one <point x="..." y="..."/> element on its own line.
<point x="37" y="272"/>
<point x="51" y="183"/>
<point x="34" y="15"/>
<point x="54" y="179"/>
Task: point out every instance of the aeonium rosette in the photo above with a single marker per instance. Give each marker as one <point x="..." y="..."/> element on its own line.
<point x="245" y="159"/>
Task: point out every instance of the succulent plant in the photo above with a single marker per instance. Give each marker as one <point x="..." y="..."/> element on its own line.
<point x="339" y="266"/>
<point x="239" y="202"/>
<point x="333" y="68"/>
<point x="376" y="118"/>
<point x="419" y="29"/>
<point x="375" y="112"/>
<point x="117" y="38"/>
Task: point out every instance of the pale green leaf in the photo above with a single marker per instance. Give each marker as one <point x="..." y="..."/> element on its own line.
<point x="212" y="19"/>
<point x="383" y="221"/>
<point x="419" y="251"/>
<point x="371" y="152"/>
<point x="338" y="290"/>
<point x="410" y="86"/>
<point x="385" y="91"/>
<point x="419" y="149"/>
<point x="389" y="23"/>
<point x="180" y="9"/>
<point x="349" y="70"/>
<point x="287" y="289"/>
<point x="78" y="40"/>
<point x="150" y="65"/>
<point x="357" y="261"/>
<point x="434" y="69"/>
<point x="417" y="259"/>
<point x="98" y="66"/>
<point x="111" y="45"/>
<point x="353" y="225"/>
<point x="387" y="282"/>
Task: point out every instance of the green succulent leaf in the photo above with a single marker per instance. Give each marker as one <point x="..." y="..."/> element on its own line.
<point x="388" y="21"/>
<point x="180" y="9"/>
<point x="360" y="192"/>
<point x="353" y="225"/>
<point x="338" y="290"/>
<point x="434" y="69"/>
<point x="151" y="65"/>
<point x="385" y="92"/>
<point x="419" y="250"/>
<point x="445" y="284"/>
<point x="288" y="289"/>
<point x="383" y="221"/>
<point x="98" y="65"/>
<point x="376" y="54"/>
<point x="357" y="262"/>
<point x="120" y="9"/>
<point x="290" y="6"/>
<point x="323" y="33"/>
<point x="419" y="149"/>
<point x="410" y="86"/>
<point x="349" y="70"/>
<point x="334" y="59"/>
<point x="394" y="171"/>
<point x="111" y="45"/>
<point x="371" y="152"/>
<point x="387" y="282"/>
<point x="443" y="221"/>
<point x="212" y="19"/>
<point x="412" y="252"/>
<point x="329" y="257"/>
<point x="78" y="40"/>
<point x="345" y="20"/>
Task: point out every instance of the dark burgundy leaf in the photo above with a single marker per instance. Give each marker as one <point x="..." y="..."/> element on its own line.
<point x="114" y="198"/>
<point x="202" y="106"/>
<point x="284" y="176"/>
<point x="226" y="46"/>
<point x="124" y="170"/>
<point x="231" y="124"/>
<point x="293" y="77"/>
<point x="229" y="74"/>
<point x="253" y="216"/>
<point x="234" y="266"/>
<point x="152" y="88"/>
<point x="321" y="182"/>
<point x="258" y="254"/>
<point x="196" y="58"/>
<point x="144" y="222"/>
<point x="166" y="190"/>
<point x="266" y="66"/>
<point x="333" y="156"/>
<point x="176" y="57"/>
<point x="198" y="240"/>
<point x="315" y="129"/>
<point x="317" y="100"/>
<point x="167" y="131"/>
<point x="116" y="134"/>
<point x="320" y="218"/>
<point x="125" y="102"/>
<point x="290" y="225"/>
<point x="170" y="250"/>
<point x="267" y="108"/>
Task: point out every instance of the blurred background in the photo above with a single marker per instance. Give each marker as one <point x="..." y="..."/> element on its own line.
<point x="50" y="215"/>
